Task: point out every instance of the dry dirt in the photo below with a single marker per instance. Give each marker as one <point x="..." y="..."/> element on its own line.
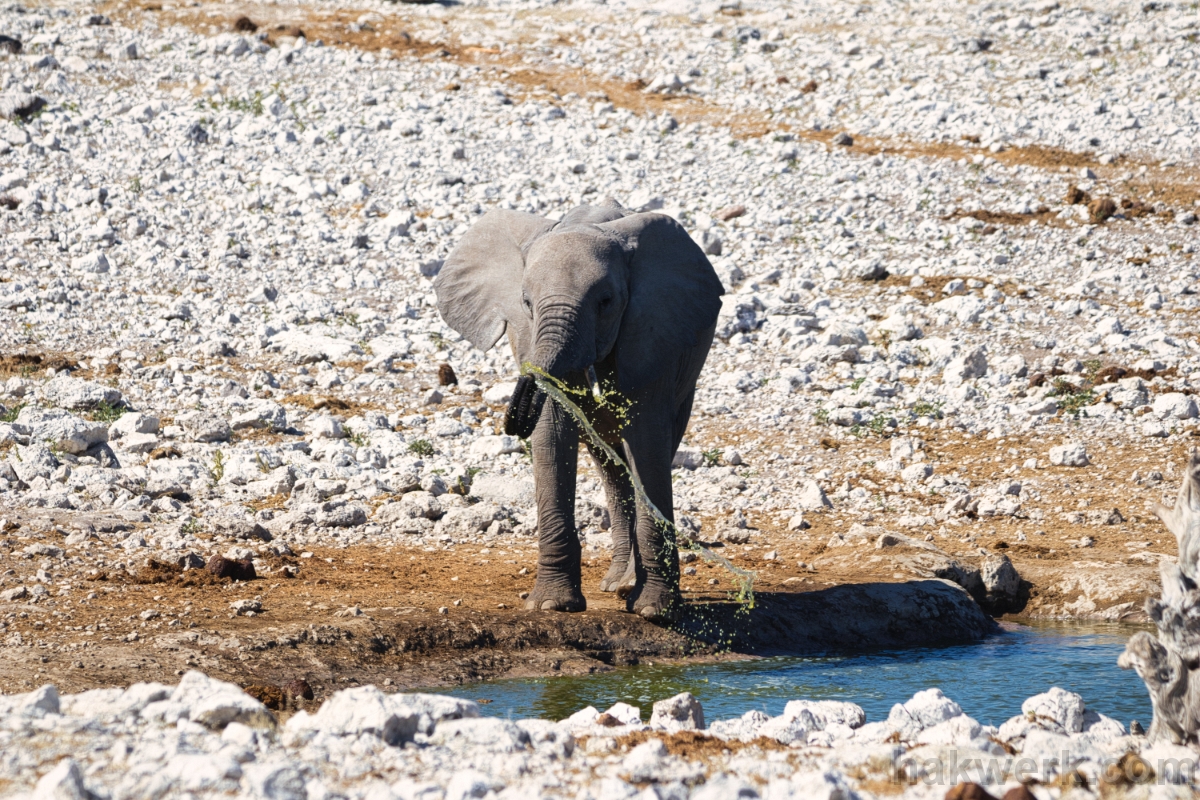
<point x="425" y="617"/>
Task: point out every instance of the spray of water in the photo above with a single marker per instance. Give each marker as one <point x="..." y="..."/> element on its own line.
<point x="608" y="398"/>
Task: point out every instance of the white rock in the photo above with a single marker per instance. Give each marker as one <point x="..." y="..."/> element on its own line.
<point x="361" y="710"/>
<point x="1073" y="454"/>
<point x="133" y="422"/>
<point x="916" y="472"/>
<point x="74" y="394"/>
<point x="969" y="366"/>
<point x="500" y="394"/>
<point x="1174" y="405"/>
<point x="303" y="348"/>
<point x="679" y="713"/>
<point x="488" y="734"/>
<point x="492" y="446"/>
<point x="812" y="497"/>
<point x="924" y="710"/>
<point x="92" y="263"/>
<point x="625" y="714"/>
<point x="1064" y="708"/>
<point x="324" y="426"/>
<point x="687" y="457"/>
<point x="827" y="712"/>
<point x="62" y="430"/>
<point x="64" y="782"/>
<point x="214" y="704"/>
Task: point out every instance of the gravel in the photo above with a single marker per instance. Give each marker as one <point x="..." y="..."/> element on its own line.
<point x="206" y="738"/>
<point x="216" y="255"/>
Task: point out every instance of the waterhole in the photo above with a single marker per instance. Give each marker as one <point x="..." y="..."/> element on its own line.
<point x="989" y="679"/>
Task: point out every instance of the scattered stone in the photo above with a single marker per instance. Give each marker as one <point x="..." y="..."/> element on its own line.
<point x="1002" y="583"/>
<point x="730" y="212"/>
<point x="1100" y="209"/>
<point x="1073" y="454"/>
<point x="223" y="567"/>
<point x="17" y="105"/>
<point x="679" y="713"/>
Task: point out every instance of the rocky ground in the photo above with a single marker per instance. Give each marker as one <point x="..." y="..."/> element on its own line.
<point x="958" y="245"/>
<point x="207" y="738"/>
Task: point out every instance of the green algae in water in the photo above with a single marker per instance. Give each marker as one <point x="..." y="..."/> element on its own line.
<point x="988" y="679"/>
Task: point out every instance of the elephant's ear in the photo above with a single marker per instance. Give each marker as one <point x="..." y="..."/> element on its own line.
<point x="674" y="297"/>
<point x="479" y="285"/>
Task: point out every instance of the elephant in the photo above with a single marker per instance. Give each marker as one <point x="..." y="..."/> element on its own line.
<point x="603" y="297"/>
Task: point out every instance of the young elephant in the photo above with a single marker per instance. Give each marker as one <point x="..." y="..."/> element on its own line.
<point x="604" y="295"/>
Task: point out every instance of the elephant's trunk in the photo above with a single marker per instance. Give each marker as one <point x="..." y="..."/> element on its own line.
<point x="561" y="346"/>
<point x="563" y="341"/>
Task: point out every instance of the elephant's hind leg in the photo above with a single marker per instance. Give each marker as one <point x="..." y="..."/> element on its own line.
<point x="656" y="595"/>
<point x="622" y="512"/>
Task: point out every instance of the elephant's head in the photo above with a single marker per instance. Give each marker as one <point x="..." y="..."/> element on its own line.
<point x="601" y="282"/>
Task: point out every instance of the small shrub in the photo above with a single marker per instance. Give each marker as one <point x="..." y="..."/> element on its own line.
<point x="107" y="413"/>
<point x="421" y="447"/>
<point x="217" y="471"/>
<point x="1070" y="399"/>
<point x="924" y="408"/>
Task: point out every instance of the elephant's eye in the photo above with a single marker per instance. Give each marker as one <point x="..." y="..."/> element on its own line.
<point x="525" y="301"/>
<point x="605" y="302"/>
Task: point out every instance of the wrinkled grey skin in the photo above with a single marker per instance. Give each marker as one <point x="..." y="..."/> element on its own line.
<point x="632" y="296"/>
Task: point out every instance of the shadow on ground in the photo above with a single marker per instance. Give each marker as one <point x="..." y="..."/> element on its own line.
<point x="840" y="618"/>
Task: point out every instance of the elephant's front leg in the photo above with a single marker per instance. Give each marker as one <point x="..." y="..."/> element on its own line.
<point x="555" y="446"/>
<point x="656" y="594"/>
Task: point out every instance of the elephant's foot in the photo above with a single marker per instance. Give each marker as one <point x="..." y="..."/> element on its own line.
<point x="559" y="597"/>
<point x="620" y="578"/>
<point x="656" y="603"/>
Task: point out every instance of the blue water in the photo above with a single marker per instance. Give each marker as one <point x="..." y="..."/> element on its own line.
<point x="989" y="679"/>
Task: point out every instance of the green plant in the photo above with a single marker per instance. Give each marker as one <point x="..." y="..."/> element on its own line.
<point x="421" y="447"/>
<point x="361" y="440"/>
<point x="254" y="105"/>
<point x="711" y="457"/>
<point x="857" y="383"/>
<point x="821" y="415"/>
<point x="135" y="185"/>
<point x="192" y="526"/>
<point x="217" y="471"/>
<point x="1070" y="399"/>
<point x="11" y="414"/>
<point x="106" y="412"/>
<point x="881" y="426"/>
<point x="263" y="466"/>
<point x="924" y="408"/>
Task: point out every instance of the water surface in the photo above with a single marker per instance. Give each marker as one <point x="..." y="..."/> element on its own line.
<point x="989" y="679"/>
